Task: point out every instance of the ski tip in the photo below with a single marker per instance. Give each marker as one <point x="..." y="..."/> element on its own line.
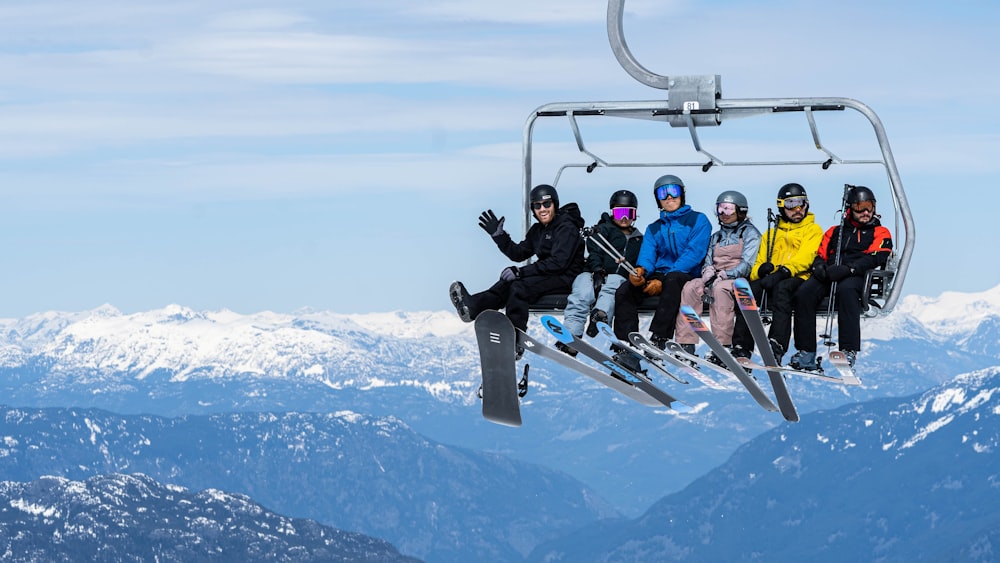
<point x="504" y="421"/>
<point x="556" y="329"/>
<point x="682" y="407"/>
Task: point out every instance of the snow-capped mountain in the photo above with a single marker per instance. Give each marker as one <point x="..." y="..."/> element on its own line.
<point x="886" y="480"/>
<point x="423" y="367"/>
<point x="325" y="347"/>
<point x="318" y="347"/>
<point x="354" y="472"/>
<point x="135" y="518"/>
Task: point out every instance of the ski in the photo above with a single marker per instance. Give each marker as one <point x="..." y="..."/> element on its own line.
<point x="497" y="350"/>
<point x="531" y="345"/>
<point x="694" y="321"/>
<point x="839" y="361"/>
<point x="748" y="307"/>
<point x="747" y="363"/>
<point x="681" y="354"/>
<point x="638" y="379"/>
<point x="643" y="343"/>
<point x="609" y="333"/>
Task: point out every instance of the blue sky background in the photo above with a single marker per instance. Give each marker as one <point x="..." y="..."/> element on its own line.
<point x="278" y="155"/>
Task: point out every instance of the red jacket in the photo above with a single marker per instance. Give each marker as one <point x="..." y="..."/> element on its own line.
<point x="862" y="248"/>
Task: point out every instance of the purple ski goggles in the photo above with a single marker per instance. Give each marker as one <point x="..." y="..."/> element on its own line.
<point x="619" y="213"/>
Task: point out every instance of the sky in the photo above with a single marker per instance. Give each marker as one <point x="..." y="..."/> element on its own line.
<point x="309" y="154"/>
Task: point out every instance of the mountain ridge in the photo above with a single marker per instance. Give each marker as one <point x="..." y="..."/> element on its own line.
<point x="424" y="368"/>
<point x="134" y="518"/>
<point x="885" y="480"/>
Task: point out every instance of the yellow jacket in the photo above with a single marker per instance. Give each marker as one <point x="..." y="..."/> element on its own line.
<point x="793" y="245"/>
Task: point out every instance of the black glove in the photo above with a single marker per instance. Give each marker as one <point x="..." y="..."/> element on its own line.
<point x="839" y="272"/>
<point x="819" y="270"/>
<point x="599" y="278"/>
<point x="488" y="222"/>
<point x="774" y="278"/>
<point x="510" y="273"/>
<point x="764" y="269"/>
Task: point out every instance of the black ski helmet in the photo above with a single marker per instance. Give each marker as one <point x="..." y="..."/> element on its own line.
<point x="791" y="190"/>
<point x="543" y="192"/>
<point x="737" y="199"/>
<point x="623" y="198"/>
<point x="858" y="194"/>
<point x="667" y="179"/>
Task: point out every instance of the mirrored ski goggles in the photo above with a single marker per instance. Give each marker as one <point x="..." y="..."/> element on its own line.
<point x="793" y="202"/>
<point x="862" y="206"/>
<point x="669" y="190"/>
<point x="725" y="209"/>
<point x="619" y="213"/>
<point x="536" y="205"/>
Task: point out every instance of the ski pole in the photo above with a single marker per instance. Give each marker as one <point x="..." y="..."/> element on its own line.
<point x="772" y="223"/>
<point x="836" y="261"/>
<point x="610" y="250"/>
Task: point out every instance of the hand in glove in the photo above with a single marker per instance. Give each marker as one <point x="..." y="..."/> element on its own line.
<point x="653" y="288"/>
<point x="764" y="269"/>
<point x="721" y="275"/>
<point x="638" y="278"/>
<point x="819" y="270"/>
<point x="510" y="274"/>
<point x="488" y="222"/>
<point x="599" y="278"/>
<point x="838" y="272"/>
<point x="707" y="274"/>
<point x="774" y="278"/>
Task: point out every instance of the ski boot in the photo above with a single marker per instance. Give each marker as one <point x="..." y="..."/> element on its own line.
<point x="597" y="316"/>
<point x="689" y="348"/>
<point x="777" y="349"/>
<point x="717" y="360"/>
<point x="804" y="360"/>
<point x="566" y="349"/>
<point x="659" y="341"/>
<point x="851" y="355"/>
<point x="459" y="295"/>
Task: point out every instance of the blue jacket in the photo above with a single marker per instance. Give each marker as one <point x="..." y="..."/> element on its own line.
<point x="676" y="242"/>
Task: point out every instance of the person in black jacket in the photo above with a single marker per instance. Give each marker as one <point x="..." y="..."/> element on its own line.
<point x="555" y="241"/>
<point x="594" y="290"/>
<point x="846" y="254"/>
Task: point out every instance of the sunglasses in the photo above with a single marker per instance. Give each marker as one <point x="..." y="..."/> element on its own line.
<point x="669" y="190"/>
<point x="536" y="205"/>
<point x="619" y="213"/>
<point x="793" y="202"/>
<point x="725" y="209"/>
<point x="863" y="206"/>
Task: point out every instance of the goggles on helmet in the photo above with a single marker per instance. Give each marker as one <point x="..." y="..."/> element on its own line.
<point x="536" y="205"/>
<point x="669" y="190"/>
<point x="862" y="206"/>
<point x="793" y="202"/>
<point x="725" y="208"/>
<point x="619" y="213"/>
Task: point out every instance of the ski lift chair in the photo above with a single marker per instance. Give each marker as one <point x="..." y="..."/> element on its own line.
<point x="695" y="102"/>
